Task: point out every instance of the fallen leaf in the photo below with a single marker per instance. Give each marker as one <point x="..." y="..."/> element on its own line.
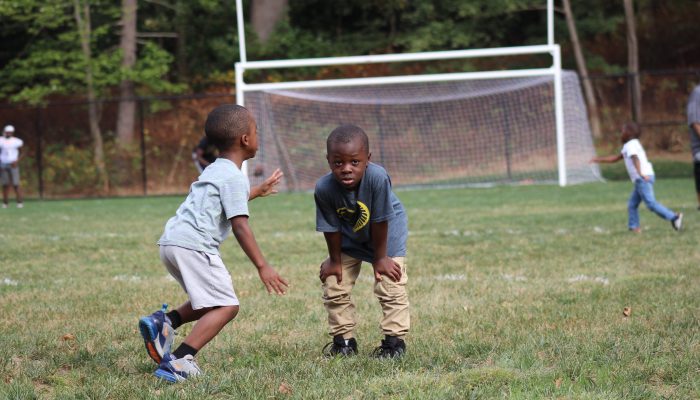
<point x="557" y="382"/>
<point x="68" y="336"/>
<point x="284" y="388"/>
<point x="627" y="311"/>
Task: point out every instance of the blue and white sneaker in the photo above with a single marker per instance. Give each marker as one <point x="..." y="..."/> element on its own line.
<point x="177" y="369"/>
<point x="158" y="334"/>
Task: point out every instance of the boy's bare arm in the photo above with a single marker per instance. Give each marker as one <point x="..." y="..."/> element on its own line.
<point x="272" y="281"/>
<point x="268" y="187"/>
<point x="383" y="264"/>
<point x="333" y="266"/>
<point x="607" y="159"/>
<point x="696" y="128"/>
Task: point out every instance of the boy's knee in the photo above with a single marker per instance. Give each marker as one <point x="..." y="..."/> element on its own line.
<point x="231" y="312"/>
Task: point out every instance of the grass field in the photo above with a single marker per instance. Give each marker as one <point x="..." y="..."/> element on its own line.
<point x="516" y="292"/>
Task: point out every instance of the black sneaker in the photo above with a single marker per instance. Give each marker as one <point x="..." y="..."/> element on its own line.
<point x="339" y="347"/>
<point x="392" y="347"/>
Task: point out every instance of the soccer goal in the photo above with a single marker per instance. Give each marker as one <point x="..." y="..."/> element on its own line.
<point x="454" y="129"/>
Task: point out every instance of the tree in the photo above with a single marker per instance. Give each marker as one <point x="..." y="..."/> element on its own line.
<point x="127" y="93"/>
<point x="582" y="70"/>
<point x="82" y="20"/>
<point x="264" y="16"/>
<point x="633" y="60"/>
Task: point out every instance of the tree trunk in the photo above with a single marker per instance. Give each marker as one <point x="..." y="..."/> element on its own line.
<point x="633" y="61"/>
<point x="582" y="70"/>
<point x="182" y="13"/>
<point x="98" y="148"/>
<point x="127" y="105"/>
<point x="264" y="15"/>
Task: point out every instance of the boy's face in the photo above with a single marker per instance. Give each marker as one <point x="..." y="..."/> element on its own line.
<point x="348" y="162"/>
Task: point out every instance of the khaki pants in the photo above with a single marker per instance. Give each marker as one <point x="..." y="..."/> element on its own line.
<point x="392" y="297"/>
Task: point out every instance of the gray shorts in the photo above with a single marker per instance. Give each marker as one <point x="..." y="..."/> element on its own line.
<point x="203" y="276"/>
<point x="9" y="175"/>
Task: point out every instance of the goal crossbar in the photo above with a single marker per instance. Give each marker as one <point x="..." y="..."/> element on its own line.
<point x="387" y="58"/>
<point x="554" y="70"/>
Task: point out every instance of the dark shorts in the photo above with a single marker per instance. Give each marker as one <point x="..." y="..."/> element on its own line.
<point x="696" y="169"/>
<point x="9" y="175"/>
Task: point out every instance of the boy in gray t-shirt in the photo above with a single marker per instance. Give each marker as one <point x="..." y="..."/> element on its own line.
<point x="362" y="220"/>
<point x="189" y="247"/>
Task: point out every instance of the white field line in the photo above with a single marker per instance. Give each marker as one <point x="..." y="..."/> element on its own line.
<point x="585" y="278"/>
<point x="9" y="282"/>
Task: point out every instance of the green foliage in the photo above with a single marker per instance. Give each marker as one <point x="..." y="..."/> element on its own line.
<point x="69" y="169"/>
<point x="50" y="60"/>
<point x="41" y="53"/>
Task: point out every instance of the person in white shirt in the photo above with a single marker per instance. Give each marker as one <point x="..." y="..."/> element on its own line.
<point x="10" y="154"/>
<point x="641" y="174"/>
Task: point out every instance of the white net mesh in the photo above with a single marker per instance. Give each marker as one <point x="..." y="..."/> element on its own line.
<point x="472" y="132"/>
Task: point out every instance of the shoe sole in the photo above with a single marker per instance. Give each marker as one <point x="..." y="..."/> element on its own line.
<point x="149" y="333"/>
<point x="166" y="375"/>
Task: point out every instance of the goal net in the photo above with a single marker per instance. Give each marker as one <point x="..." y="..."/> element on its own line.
<point x="450" y="133"/>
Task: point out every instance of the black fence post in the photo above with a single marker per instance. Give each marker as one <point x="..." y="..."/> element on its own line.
<point x="144" y="174"/>
<point x="39" y="151"/>
<point x="506" y="137"/>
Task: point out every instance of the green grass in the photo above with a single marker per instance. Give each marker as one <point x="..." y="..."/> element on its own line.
<point x="516" y="292"/>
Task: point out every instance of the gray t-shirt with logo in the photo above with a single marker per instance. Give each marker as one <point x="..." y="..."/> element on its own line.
<point x="352" y="211"/>
<point x="694" y="118"/>
<point x="202" y="221"/>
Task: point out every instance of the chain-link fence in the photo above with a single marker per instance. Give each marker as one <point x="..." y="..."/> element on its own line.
<point x="663" y="107"/>
<point x="59" y="153"/>
<point x="58" y="149"/>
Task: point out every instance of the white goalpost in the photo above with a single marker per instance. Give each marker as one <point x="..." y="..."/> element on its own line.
<point x="496" y="126"/>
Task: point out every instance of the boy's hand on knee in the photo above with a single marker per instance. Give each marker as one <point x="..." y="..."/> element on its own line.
<point x="386" y="266"/>
<point x="272" y="281"/>
<point x="328" y="269"/>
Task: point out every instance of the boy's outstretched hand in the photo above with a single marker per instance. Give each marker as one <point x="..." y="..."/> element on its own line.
<point x="269" y="185"/>
<point x="272" y="281"/>
<point x="386" y="266"/>
<point x="328" y="269"/>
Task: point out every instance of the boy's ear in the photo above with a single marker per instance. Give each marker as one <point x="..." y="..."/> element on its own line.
<point x="245" y="139"/>
<point x="369" y="156"/>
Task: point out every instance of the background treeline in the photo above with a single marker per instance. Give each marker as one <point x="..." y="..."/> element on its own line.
<point x="192" y="45"/>
<point x="124" y="87"/>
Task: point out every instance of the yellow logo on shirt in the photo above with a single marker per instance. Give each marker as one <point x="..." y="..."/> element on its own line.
<point x="348" y="214"/>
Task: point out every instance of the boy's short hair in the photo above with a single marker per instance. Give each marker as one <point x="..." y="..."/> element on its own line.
<point x="226" y="124"/>
<point x="346" y="134"/>
<point x="633" y="128"/>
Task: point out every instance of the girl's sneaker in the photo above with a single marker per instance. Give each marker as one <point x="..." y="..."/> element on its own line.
<point x="158" y="334"/>
<point x="177" y="369"/>
<point x="677" y="222"/>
